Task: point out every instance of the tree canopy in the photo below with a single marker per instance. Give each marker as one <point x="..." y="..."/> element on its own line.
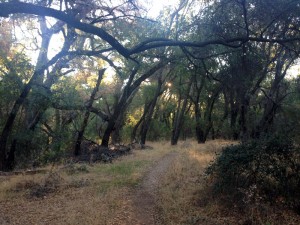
<point x="107" y="72"/>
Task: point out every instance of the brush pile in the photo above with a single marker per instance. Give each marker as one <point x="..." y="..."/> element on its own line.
<point x="92" y="152"/>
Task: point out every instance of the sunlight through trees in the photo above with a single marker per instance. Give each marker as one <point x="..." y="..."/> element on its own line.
<point x="176" y="70"/>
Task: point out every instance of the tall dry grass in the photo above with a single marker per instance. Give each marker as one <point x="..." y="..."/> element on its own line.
<point x="186" y="194"/>
<point x="77" y="194"/>
<point x="101" y="194"/>
<point x="181" y="197"/>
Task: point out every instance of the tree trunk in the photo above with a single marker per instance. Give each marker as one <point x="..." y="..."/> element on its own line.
<point x="200" y="135"/>
<point x="149" y="113"/>
<point x="274" y="96"/>
<point x="87" y="113"/>
<point x="234" y="111"/>
<point x="127" y="94"/>
<point x="179" y="119"/>
<point x="36" y="78"/>
<point x="199" y="130"/>
<point x="202" y="130"/>
<point x="116" y="135"/>
<point x="6" y="132"/>
<point x="135" y="128"/>
<point x="119" y="109"/>
<point x="109" y="129"/>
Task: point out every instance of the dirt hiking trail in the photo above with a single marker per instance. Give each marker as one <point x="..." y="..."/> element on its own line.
<point x="140" y="207"/>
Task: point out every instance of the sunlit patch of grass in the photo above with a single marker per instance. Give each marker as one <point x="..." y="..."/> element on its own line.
<point x="121" y="174"/>
<point x="127" y="171"/>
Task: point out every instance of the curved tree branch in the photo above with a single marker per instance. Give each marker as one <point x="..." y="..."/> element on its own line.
<point x="19" y="7"/>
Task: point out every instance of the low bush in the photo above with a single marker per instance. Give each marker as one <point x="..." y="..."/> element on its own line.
<point x="38" y="188"/>
<point x="267" y="170"/>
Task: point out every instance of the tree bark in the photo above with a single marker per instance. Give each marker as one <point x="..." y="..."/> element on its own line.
<point x="179" y="119"/>
<point x="116" y="135"/>
<point x="135" y="128"/>
<point x="128" y="92"/>
<point x="89" y="105"/>
<point x="37" y="77"/>
<point x="149" y="112"/>
<point x="274" y="96"/>
<point x="207" y="124"/>
<point x="6" y="132"/>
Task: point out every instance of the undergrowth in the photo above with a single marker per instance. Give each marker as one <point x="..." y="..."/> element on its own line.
<point x="258" y="174"/>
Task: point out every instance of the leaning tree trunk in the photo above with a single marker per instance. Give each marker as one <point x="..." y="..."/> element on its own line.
<point x="118" y="111"/>
<point x="204" y="128"/>
<point x="149" y="113"/>
<point x="89" y="105"/>
<point x="115" y="121"/>
<point x="111" y="124"/>
<point x="41" y="66"/>
<point x="7" y="130"/>
<point x="179" y="119"/>
<point x="273" y="97"/>
<point x="135" y="128"/>
<point x="125" y="98"/>
<point x="146" y="124"/>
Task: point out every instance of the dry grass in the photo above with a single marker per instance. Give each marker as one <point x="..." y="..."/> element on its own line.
<point x="103" y="193"/>
<point x="76" y="194"/>
<point x="179" y="199"/>
<point x="186" y="195"/>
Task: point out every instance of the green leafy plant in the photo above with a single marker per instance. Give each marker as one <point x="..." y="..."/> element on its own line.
<point x="271" y="165"/>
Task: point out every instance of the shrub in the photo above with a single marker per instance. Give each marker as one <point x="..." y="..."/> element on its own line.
<point x="269" y="166"/>
<point x="51" y="183"/>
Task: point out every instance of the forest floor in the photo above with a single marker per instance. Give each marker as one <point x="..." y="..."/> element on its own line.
<point x="164" y="185"/>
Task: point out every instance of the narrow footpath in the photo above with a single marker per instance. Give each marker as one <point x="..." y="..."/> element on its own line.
<point x="139" y="207"/>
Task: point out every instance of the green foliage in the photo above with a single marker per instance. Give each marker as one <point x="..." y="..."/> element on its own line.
<point x="236" y="82"/>
<point x="158" y="131"/>
<point x="289" y="119"/>
<point x="52" y="155"/>
<point x="14" y="72"/>
<point x="126" y="132"/>
<point x="270" y="167"/>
